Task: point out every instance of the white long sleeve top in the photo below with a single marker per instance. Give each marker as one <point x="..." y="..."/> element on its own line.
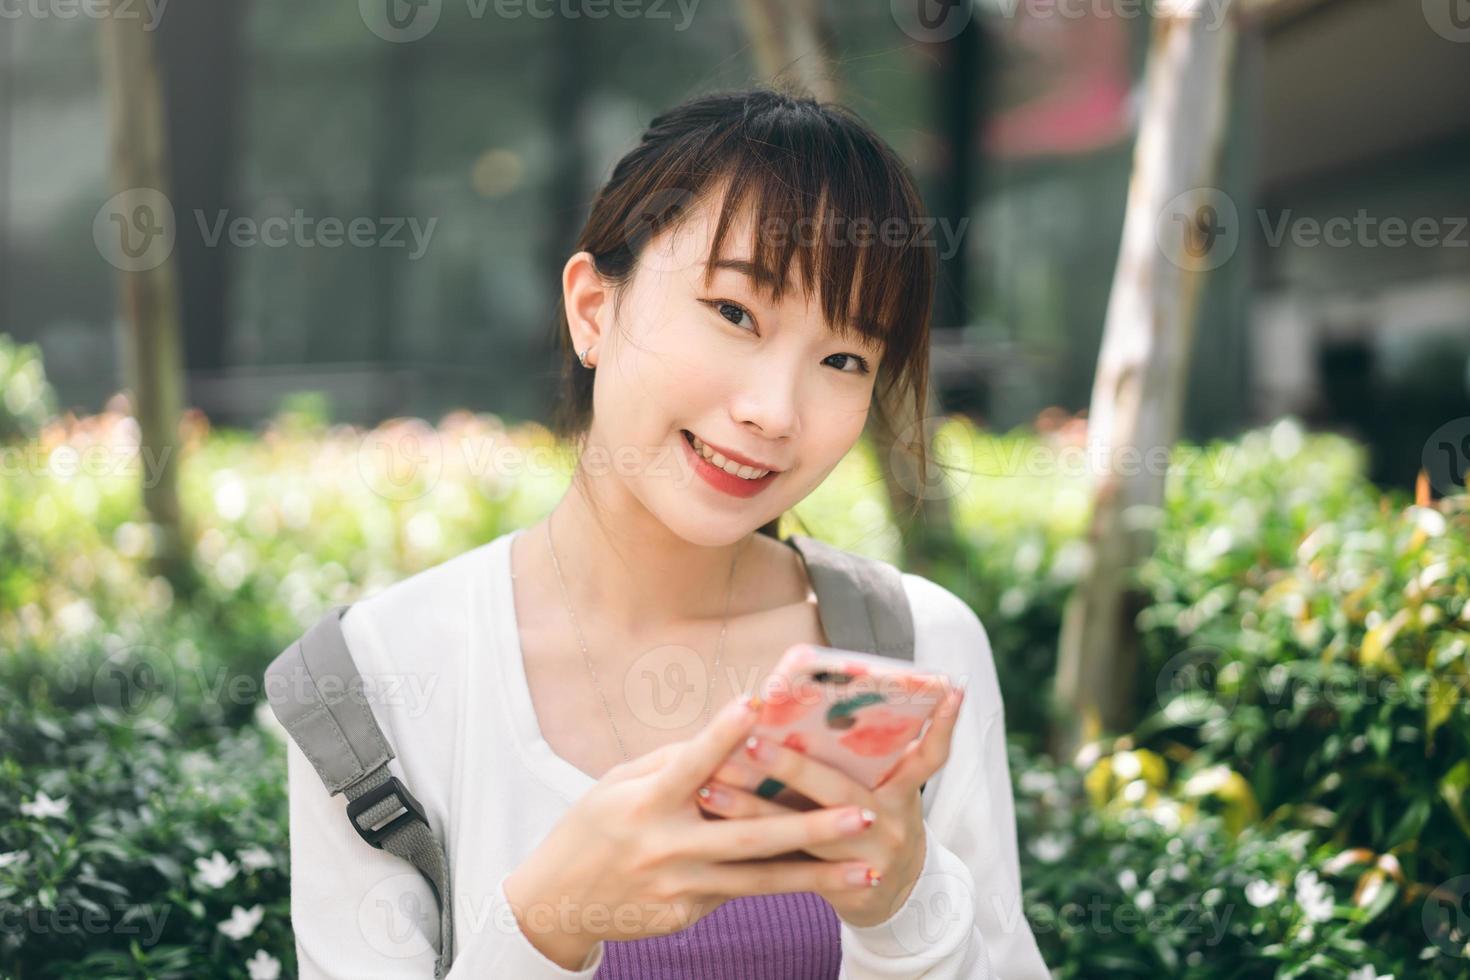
<point x="440" y="657"/>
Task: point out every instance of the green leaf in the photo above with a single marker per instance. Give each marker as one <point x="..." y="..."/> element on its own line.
<point x="1416" y="814"/>
<point x="1380" y="736"/>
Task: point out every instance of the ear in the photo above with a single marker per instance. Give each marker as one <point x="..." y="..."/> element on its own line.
<point x="588" y="302"/>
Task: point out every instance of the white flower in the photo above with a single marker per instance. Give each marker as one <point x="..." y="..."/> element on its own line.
<point x="263" y="966"/>
<point x="1072" y="561"/>
<point x="254" y="858"/>
<point x="1027" y="558"/>
<point x="1208" y="780"/>
<point x="1314" y="896"/>
<point x="1126" y="765"/>
<point x="1166" y="815"/>
<point x="1049" y="848"/>
<point x="1127" y="880"/>
<point x="1012" y="603"/>
<point x="231" y="499"/>
<point x="242" y="922"/>
<point x="44" y="806"/>
<point x="1428" y="520"/>
<point x="1037" y="781"/>
<point x="76" y="617"/>
<point x="1366" y="972"/>
<point x="1261" y="893"/>
<point x="1144" y="900"/>
<point x="13" y="857"/>
<point x="216" y="871"/>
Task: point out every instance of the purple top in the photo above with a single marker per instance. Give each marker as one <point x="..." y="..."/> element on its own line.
<point x="788" y="936"/>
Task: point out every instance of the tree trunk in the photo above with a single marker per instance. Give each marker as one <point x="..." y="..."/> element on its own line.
<point x="793" y="43"/>
<point x="136" y="233"/>
<point x="1172" y="235"/>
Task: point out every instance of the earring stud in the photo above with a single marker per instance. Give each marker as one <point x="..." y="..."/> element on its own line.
<point x="582" y="355"/>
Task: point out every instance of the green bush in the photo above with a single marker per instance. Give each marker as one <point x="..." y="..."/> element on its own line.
<point x="1280" y="570"/>
<point x="1155" y="884"/>
<point x="1315" y="637"/>
<point x="26" y="397"/>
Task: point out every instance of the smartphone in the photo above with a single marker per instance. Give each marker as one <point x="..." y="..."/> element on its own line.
<point x="853" y="711"/>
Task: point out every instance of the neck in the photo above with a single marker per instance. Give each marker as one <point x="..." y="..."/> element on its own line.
<point x="639" y="575"/>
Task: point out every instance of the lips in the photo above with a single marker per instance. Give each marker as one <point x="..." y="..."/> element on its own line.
<point x="716" y="477"/>
<point x="727" y="455"/>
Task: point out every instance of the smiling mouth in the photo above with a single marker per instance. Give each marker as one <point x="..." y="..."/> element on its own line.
<point x="750" y="473"/>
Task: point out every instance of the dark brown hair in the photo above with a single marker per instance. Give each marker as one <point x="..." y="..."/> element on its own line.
<point x="800" y="164"/>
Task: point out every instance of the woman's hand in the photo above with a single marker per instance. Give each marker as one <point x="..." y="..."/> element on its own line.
<point x="894" y="845"/>
<point x="635" y="857"/>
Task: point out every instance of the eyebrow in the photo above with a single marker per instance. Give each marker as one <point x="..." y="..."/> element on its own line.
<point x="759" y="275"/>
<point x="747" y="268"/>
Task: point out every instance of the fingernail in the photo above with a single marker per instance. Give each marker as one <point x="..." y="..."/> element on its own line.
<point x="758" y="748"/>
<point x="713" y="795"/>
<point x="855" y="820"/>
<point x="743" y="707"/>
<point x="862" y="875"/>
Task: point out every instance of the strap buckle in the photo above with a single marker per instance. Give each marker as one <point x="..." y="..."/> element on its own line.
<point x="409" y="810"/>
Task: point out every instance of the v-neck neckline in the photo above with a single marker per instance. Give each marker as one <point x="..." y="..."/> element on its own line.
<point x="568" y="780"/>
<point x="558" y="772"/>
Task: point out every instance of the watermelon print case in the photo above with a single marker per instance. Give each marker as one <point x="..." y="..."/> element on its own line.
<point x="853" y="711"/>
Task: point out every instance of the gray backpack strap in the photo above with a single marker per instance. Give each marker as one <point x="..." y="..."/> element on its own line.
<point x="316" y="692"/>
<point x="861" y="600"/>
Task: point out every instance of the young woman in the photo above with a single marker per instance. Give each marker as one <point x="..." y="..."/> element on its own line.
<point x="753" y="281"/>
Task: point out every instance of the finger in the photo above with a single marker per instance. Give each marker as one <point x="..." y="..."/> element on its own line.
<point x="701" y="755"/>
<point x="811" y="778"/>
<point x="735" y="879"/>
<point x="922" y="760"/>
<point x="646" y="763"/>
<point x="768" y="836"/>
<point x="732" y="801"/>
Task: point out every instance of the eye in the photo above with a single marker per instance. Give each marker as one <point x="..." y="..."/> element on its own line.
<point x="726" y="309"/>
<point x="734" y="313"/>
<point x="861" y="361"/>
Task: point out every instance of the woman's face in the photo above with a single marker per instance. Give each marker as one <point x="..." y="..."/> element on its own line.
<point x="771" y="383"/>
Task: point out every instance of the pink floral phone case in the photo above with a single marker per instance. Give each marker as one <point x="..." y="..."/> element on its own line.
<point x="853" y="711"/>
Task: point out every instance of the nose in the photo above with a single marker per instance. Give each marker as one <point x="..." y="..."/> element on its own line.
<point x="768" y="400"/>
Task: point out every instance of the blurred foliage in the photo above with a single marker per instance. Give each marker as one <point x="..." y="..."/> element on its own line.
<point x="1268" y="818"/>
<point x="26" y="397"/>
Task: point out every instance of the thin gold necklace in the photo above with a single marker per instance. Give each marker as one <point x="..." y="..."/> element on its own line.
<point x="709" y="697"/>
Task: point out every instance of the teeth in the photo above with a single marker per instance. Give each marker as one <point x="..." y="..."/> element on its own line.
<point x="728" y="465"/>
